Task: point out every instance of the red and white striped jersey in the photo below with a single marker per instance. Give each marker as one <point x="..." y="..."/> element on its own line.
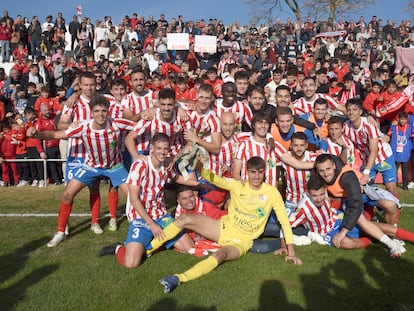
<point x="296" y="179"/>
<point x="137" y="103"/>
<point x="78" y="113"/>
<point x="251" y="148"/>
<point x="302" y="106"/>
<point x="361" y="137"/>
<point x="336" y="149"/>
<point x="222" y="63"/>
<point x="151" y="182"/>
<point x="204" y="124"/>
<point x="116" y="109"/>
<point x="227" y="153"/>
<point x="103" y="147"/>
<point x="317" y="220"/>
<point x="145" y="129"/>
<point x="241" y="110"/>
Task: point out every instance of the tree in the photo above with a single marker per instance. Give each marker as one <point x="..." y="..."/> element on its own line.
<point x="337" y="8"/>
<point x="331" y="9"/>
<point x="410" y="9"/>
<point x="263" y="9"/>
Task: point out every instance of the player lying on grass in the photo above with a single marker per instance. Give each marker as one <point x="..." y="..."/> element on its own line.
<point x="249" y="209"/>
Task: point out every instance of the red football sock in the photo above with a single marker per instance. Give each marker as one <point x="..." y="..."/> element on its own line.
<point x="120" y="255"/>
<point x="113" y="203"/>
<point x="404" y="235"/>
<point x="95" y="205"/>
<point x="365" y="242"/>
<point x="369" y="212"/>
<point x="63" y="217"/>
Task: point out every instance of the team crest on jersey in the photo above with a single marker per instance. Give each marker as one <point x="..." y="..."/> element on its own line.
<point x="270" y="163"/>
<point x="113" y="144"/>
<point x="260" y="212"/>
<point x="166" y="221"/>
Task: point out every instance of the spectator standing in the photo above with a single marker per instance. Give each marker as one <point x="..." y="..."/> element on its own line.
<point x="401" y="144"/>
<point x="35" y="34"/>
<point x="5" y="36"/>
<point x="51" y="146"/>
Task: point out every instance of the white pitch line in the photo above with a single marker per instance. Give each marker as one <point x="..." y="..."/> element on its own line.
<point x="89" y="214"/>
<point x="46" y="215"/>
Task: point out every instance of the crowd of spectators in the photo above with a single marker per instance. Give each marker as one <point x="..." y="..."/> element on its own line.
<point x="346" y="58"/>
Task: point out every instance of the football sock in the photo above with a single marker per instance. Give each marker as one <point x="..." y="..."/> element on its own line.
<point x="365" y="242"/>
<point x="170" y="232"/>
<point x="63" y="217"/>
<point x="113" y="203"/>
<point x="200" y="269"/>
<point x="95" y="205"/>
<point x="385" y="239"/>
<point x="404" y="235"/>
<point x="120" y="254"/>
<point x="397" y="218"/>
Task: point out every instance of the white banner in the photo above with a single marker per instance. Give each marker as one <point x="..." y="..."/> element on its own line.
<point x="205" y="44"/>
<point x="178" y="41"/>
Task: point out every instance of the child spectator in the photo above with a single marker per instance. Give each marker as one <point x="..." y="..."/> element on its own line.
<point x="8" y="143"/>
<point x="32" y="94"/>
<point x="51" y="102"/>
<point x="21" y="152"/>
<point x="400" y="140"/>
<point x="21" y="100"/>
<point x="34" y="150"/>
<point x="370" y="102"/>
<point x="386" y="97"/>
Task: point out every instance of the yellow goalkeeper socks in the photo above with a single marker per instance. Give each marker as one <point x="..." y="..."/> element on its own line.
<point x="170" y="232"/>
<point x="203" y="267"/>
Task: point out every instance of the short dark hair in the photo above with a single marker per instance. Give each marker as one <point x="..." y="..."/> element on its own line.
<point x="166" y="93"/>
<point x="160" y="137"/>
<point x="99" y="100"/>
<point x="256" y="163"/>
<point x="280" y="111"/>
<point x="206" y="88"/>
<point x="354" y="101"/>
<point x="322" y="158"/>
<point x="283" y="87"/>
<point x="321" y="101"/>
<point x="335" y="120"/>
<point x="299" y="135"/>
<point x="241" y="75"/>
<point x="314" y="183"/>
<point x="118" y="82"/>
<point x="260" y="116"/>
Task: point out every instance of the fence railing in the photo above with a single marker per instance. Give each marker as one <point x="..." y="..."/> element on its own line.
<point x="38" y="160"/>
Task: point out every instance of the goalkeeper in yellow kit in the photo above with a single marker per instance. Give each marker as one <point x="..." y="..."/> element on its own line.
<point x="248" y="212"/>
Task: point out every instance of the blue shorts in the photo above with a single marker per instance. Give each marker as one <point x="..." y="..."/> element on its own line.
<point x="387" y="169"/>
<point x="88" y="175"/>
<point x="353" y="233"/>
<point x="365" y="200"/>
<point x="72" y="165"/>
<point x="290" y="207"/>
<point x="140" y="232"/>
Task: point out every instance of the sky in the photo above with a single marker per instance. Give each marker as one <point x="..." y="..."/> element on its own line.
<point x="226" y="10"/>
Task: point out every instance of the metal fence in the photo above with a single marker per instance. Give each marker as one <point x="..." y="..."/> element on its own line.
<point x="38" y="160"/>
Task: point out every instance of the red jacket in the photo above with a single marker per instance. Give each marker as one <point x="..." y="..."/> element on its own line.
<point x="5" y="33"/>
<point x="8" y="145"/>
<point x="43" y="124"/>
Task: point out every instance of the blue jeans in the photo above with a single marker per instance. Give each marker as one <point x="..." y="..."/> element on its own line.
<point x="5" y="50"/>
<point x="35" y="48"/>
